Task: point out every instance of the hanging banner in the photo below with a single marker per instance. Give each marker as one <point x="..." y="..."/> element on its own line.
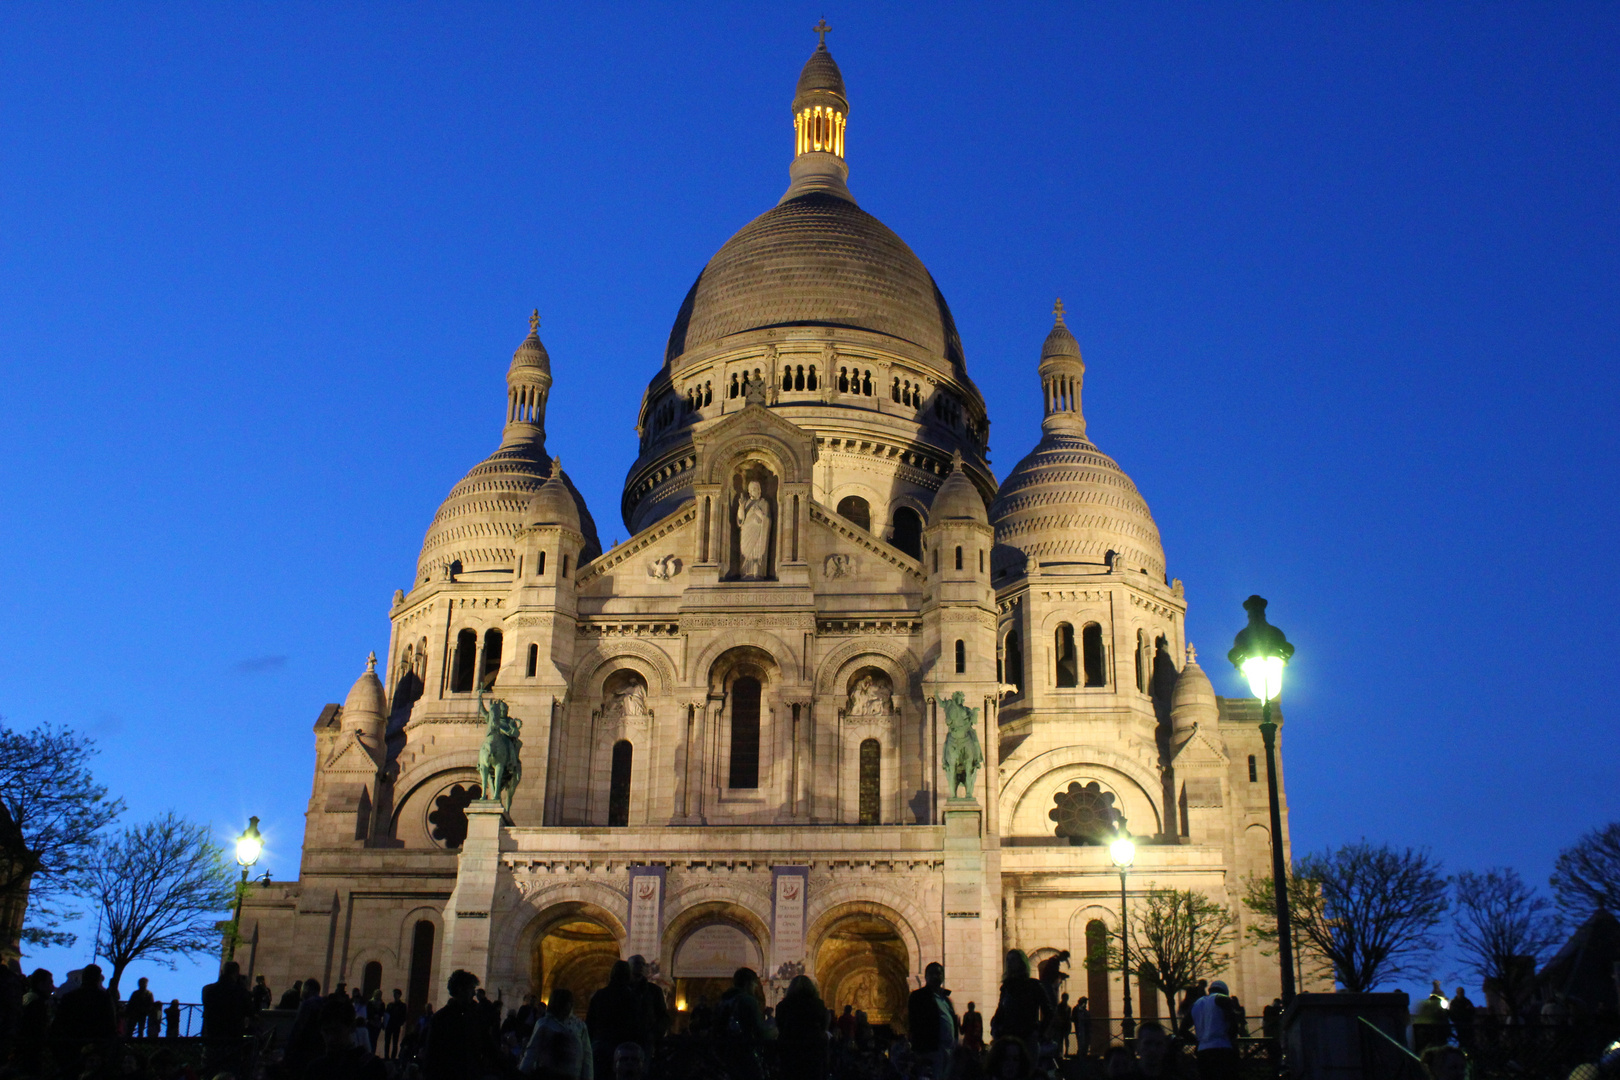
<point x="646" y="912"/>
<point x="789" y="884"/>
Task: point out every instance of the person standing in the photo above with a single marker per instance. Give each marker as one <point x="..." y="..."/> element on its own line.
<point x="613" y="1017"/>
<point x="1216" y="1028"/>
<point x="1059" y="1031"/>
<point x="652" y="1010"/>
<point x="973" y="1030"/>
<point x="555" y="1050"/>
<point x="38" y="1009"/>
<point x="342" y="1058"/>
<point x="261" y="994"/>
<point x="1462" y="1019"/>
<point x="1080" y="1022"/>
<point x="226" y="1006"/>
<point x="171" y="1020"/>
<point x="801" y="1031"/>
<point x="394" y="1023"/>
<point x="932" y="1021"/>
<point x="139" y="1010"/>
<point x="460" y="1045"/>
<point x="84" y="1017"/>
<point x="1023" y="1011"/>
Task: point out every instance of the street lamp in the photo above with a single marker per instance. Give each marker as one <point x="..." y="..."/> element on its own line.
<point x="248" y="847"/>
<point x="1261" y="652"/>
<point x="1123" y="852"/>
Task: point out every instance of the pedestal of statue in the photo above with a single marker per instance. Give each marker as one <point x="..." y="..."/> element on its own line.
<point x="467" y="914"/>
<point x="969" y="921"/>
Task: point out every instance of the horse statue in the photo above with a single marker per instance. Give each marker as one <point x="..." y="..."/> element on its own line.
<point x="963" y="756"/>
<point x="499" y="764"/>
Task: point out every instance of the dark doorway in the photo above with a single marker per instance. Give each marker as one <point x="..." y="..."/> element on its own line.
<point x="421" y="967"/>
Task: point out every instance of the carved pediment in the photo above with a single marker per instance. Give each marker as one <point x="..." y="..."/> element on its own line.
<point x="755" y="428"/>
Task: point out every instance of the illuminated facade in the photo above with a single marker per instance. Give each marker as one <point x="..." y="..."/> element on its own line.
<point x="734" y="723"/>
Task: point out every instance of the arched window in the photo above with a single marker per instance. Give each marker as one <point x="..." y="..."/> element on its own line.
<point x="871" y="786"/>
<point x="619" y="784"/>
<point x="463" y="662"/>
<point x="1091" y="645"/>
<point x="981" y="560"/>
<point x="492" y="658"/>
<point x="1254" y="771"/>
<point x="540" y="565"/>
<point x="371" y="979"/>
<point x="1098" y="982"/>
<point x="421" y="981"/>
<point x="1015" y="661"/>
<point x="565" y="566"/>
<point x="936" y="560"/>
<point x="961" y="656"/>
<point x="853" y="509"/>
<point x="908" y="531"/>
<point x="1068" y="667"/>
<point x="1142" y="656"/>
<point x="744" y="772"/>
<point x="959" y="556"/>
<point x="534" y="661"/>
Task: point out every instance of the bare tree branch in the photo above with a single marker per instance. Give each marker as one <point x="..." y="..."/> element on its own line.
<point x="1587" y="876"/>
<point x="1185" y="936"/>
<point x="1504" y="930"/>
<point x="160" y="888"/>
<point x="1304" y="897"/>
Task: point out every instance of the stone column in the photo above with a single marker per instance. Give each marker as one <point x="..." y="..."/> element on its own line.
<point x="967" y="921"/>
<point x="468" y="913"/>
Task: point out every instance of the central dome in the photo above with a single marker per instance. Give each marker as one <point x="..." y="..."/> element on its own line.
<point x="817" y="260"/>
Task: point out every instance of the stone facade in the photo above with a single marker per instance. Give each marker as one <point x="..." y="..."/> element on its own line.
<point x="733" y="725"/>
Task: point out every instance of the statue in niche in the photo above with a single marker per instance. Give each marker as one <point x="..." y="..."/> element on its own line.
<point x="630" y="700"/>
<point x="754" y="539"/>
<point x="499" y="764"/>
<point x="870" y="697"/>
<point x="963" y="756"/>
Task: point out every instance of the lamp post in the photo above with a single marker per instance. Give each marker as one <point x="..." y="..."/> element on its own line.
<point x="1123" y="851"/>
<point x="248" y="846"/>
<point x="1261" y="652"/>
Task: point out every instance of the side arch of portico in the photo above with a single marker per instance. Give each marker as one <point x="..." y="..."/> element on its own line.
<point x="514" y="952"/>
<point x="829" y="905"/>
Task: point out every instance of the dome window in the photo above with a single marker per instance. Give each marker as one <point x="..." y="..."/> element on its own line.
<point x="1254" y="772"/>
<point x="907" y="535"/>
<point x="491" y="667"/>
<point x="854" y="509"/>
<point x="959" y="556"/>
<point x="961" y="657"/>
<point x="1091" y="644"/>
<point x="1013" y="666"/>
<point x="463" y="661"/>
<point x="534" y="661"/>
<point x="1068" y="672"/>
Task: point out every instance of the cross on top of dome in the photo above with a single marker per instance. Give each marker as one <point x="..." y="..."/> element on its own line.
<point x="821" y="28"/>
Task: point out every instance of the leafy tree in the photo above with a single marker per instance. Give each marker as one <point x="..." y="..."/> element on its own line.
<point x="1504" y="930"/>
<point x="160" y="888"/>
<point x="1587" y="876"/>
<point x="51" y="810"/>
<point x="1304" y="896"/>
<point x="1371" y="910"/>
<point x="1184" y="935"/>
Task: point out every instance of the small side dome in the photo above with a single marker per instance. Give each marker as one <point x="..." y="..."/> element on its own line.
<point x="554" y="503"/>
<point x="1193" y="700"/>
<point x="958" y="499"/>
<point x="366" y="706"/>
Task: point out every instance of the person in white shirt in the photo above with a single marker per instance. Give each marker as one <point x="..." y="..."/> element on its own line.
<point x="1216" y="1027"/>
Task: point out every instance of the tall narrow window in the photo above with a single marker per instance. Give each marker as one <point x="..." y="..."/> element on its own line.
<point x="421" y="981"/>
<point x="981" y="560"/>
<point x="492" y="658"/>
<point x="961" y="657"/>
<point x="1099" y="979"/>
<point x="1091" y="644"/>
<point x="959" y="556"/>
<point x="565" y="566"/>
<point x="1015" y="661"/>
<point x="1068" y="665"/>
<point x="520" y="567"/>
<point x="908" y="531"/>
<point x="619" y="784"/>
<point x="1142" y="655"/>
<point x="1254" y="771"/>
<point x="371" y="979"/>
<point x="463" y="662"/>
<point x="1186" y="827"/>
<point x="854" y="509"/>
<point x="744" y="772"/>
<point x="936" y="560"/>
<point x="871" y="781"/>
<point x="534" y="661"/>
<point x="540" y="565"/>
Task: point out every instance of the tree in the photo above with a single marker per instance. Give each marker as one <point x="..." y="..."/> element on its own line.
<point x="51" y="810"/>
<point x="1184" y="935"/>
<point x="1371" y="911"/>
<point x="1303" y="897"/>
<point x="1587" y="875"/>
<point x="1504" y="930"/>
<point x="160" y="888"/>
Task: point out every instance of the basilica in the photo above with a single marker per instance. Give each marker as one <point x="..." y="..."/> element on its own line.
<point x="843" y="703"/>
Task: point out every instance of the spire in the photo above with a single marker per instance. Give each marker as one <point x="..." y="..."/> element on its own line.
<point x="820" y="114"/>
<point x="528" y="384"/>
<point x="1062" y="371"/>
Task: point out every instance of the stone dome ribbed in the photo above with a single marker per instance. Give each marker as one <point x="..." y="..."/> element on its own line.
<point x="366" y="701"/>
<point x="1068" y="502"/>
<point x="554" y="503"/>
<point x="820" y="72"/>
<point x="478" y="522"/>
<point x="817" y="260"/>
<point x="532" y="354"/>
<point x="958" y="499"/>
<point x="1193" y="700"/>
<point x="1060" y="342"/>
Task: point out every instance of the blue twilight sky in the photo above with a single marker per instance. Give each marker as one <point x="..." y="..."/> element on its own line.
<point x="1345" y="278"/>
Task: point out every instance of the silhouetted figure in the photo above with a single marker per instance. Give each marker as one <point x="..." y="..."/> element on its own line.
<point x="801" y="1031"/>
<point x="846" y="1026"/>
<point x="460" y="1044"/>
<point x="614" y="1017"/>
<point x="1023" y="1010"/>
<point x="138" y="1009"/>
<point x="34" y="1022"/>
<point x="292" y="997"/>
<point x="932" y="1021"/>
<point x="304" y="1042"/>
<point x="342" y="1058"/>
<point x="85" y="1017"/>
<point x="652" y="1010"/>
<point x="261" y="994"/>
<point x="1462" y="1019"/>
<point x="973" y="1029"/>
<point x="1216" y="1025"/>
<point x="395" y="1015"/>
<point x="1080" y="1022"/>
<point x="560" y="1047"/>
<point x="740" y="1024"/>
<point x="226" y="1008"/>
<point x="171" y="1020"/>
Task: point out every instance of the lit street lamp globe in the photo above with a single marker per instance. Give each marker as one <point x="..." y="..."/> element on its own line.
<point x="249" y="844"/>
<point x="1123" y="852"/>
<point x="1261" y="652"/>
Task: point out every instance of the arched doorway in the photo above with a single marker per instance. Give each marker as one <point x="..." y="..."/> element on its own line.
<point x="574" y="950"/>
<point x="861" y="960"/>
<point x="707" y="957"/>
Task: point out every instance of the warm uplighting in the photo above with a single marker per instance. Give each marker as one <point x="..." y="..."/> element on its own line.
<point x="249" y="844"/>
<point x="1123" y="851"/>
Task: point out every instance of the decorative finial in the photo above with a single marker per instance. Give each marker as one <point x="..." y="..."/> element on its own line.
<point x="822" y="28"/>
<point x="371" y="663"/>
<point x="556" y="466"/>
<point x="1057" y="311"/>
<point x="534" y="322"/>
<point x="1192" y="654"/>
